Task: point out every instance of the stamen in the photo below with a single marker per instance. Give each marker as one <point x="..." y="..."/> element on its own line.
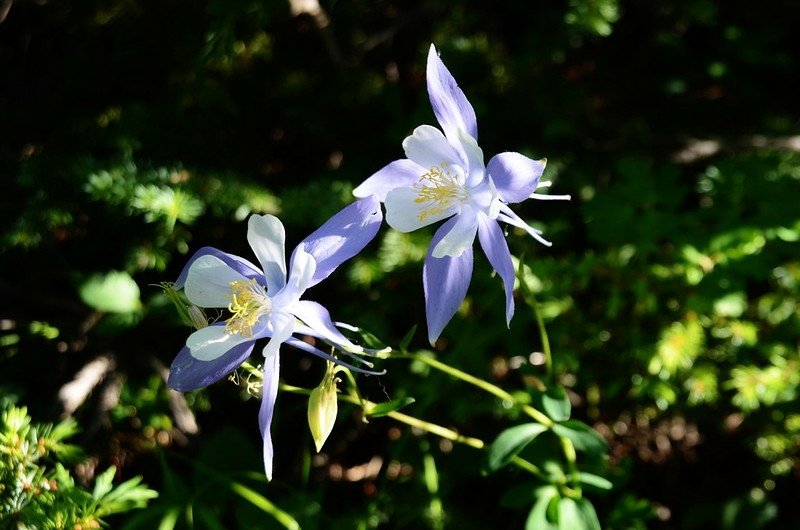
<point x="249" y="302"/>
<point x="440" y="187"/>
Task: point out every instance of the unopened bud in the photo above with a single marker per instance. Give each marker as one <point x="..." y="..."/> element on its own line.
<point x="323" y="405"/>
<point x="197" y="317"/>
<point x="191" y="315"/>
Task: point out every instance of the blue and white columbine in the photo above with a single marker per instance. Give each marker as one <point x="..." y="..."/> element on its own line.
<point x="444" y="177"/>
<point x="264" y="303"/>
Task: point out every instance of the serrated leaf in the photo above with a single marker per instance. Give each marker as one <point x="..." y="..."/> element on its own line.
<point x="382" y="409"/>
<point x="583" y="437"/>
<point x="510" y="442"/>
<point x="113" y="292"/>
<point x="103" y="483"/>
<point x="556" y="404"/>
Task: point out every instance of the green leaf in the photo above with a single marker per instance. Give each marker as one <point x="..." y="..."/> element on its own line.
<point x="407" y="338"/>
<point x="510" y="442"/>
<point x="113" y="292"/>
<point x="382" y="409"/>
<point x="261" y="502"/>
<point x="595" y="481"/>
<point x="583" y="437"/>
<point x="537" y="518"/>
<point x="588" y="514"/>
<point x="103" y="483"/>
<point x="556" y="403"/>
<point x="569" y="515"/>
<point x="170" y="519"/>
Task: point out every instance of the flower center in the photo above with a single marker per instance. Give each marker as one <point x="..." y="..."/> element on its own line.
<point x="439" y="187"/>
<point x="249" y="302"/>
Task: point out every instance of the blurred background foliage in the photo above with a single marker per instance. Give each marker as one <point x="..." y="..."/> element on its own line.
<point x="133" y="132"/>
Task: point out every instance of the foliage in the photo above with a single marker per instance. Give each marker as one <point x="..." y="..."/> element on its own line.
<point x="37" y="491"/>
<point x="135" y="133"/>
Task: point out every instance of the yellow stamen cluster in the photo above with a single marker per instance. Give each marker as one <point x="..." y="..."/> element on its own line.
<point x="249" y="302"/>
<point x="440" y="188"/>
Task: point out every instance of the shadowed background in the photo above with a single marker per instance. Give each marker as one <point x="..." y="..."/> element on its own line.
<point x="134" y="132"/>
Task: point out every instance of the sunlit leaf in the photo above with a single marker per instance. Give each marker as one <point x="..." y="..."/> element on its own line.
<point x="113" y="292"/>
<point x="510" y="442"/>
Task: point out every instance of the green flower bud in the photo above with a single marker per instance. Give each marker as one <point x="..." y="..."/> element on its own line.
<point x="191" y="315"/>
<point x="197" y="317"/>
<point x="323" y="406"/>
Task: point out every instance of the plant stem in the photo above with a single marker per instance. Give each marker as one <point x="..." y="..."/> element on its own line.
<point x="537" y="312"/>
<point x="480" y="383"/>
<point x="438" y="430"/>
<point x="572" y="464"/>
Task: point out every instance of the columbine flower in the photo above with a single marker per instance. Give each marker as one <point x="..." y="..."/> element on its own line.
<point x="264" y="303"/>
<point x="444" y="177"/>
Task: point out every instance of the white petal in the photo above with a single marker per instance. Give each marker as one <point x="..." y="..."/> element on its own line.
<point x="428" y="147"/>
<point x="460" y="238"/>
<point x="208" y="283"/>
<point x="267" y="237"/>
<point x="484" y="198"/>
<point x="405" y="214"/>
<point x="300" y="277"/>
<point x="318" y="321"/>
<point x="282" y="329"/>
<point x="508" y="216"/>
<point x="477" y="170"/>
<point x="209" y="343"/>
<point x="397" y="174"/>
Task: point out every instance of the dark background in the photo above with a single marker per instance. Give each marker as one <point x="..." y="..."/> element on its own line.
<point x="134" y="132"/>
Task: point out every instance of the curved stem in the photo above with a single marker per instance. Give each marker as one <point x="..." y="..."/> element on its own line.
<point x="480" y="383"/>
<point x="438" y="430"/>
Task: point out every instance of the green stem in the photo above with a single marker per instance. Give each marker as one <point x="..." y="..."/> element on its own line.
<point x="438" y="430"/>
<point x="354" y="389"/>
<point x="572" y="464"/>
<point x="480" y="383"/>
<point x="537" y="312"/>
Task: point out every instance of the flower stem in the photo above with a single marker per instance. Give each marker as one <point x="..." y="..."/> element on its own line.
<point x="480" y="383"/>
<point x="438" y="430"/>
<point x="530" y="298"/>
<point x="572" y="464"/>
<point x="537" y="312"/>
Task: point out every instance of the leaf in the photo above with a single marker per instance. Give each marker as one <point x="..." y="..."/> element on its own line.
<point x="510" y="442"/>
<point x="407" y="338"/>
<point x="170" y="519"/>
<point x="537" y="518"/>
<point x="595" y="481"/>
<point x="556" y="404"/>
<point x="588" y="514"/>
<point x="113" y="292"/>
<point x="261" y="502"/>
<point x="583" y="437"/>
<point x="382" y="409"/>
<point x="102" y="484"/>
<point x="569" y="515"/>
